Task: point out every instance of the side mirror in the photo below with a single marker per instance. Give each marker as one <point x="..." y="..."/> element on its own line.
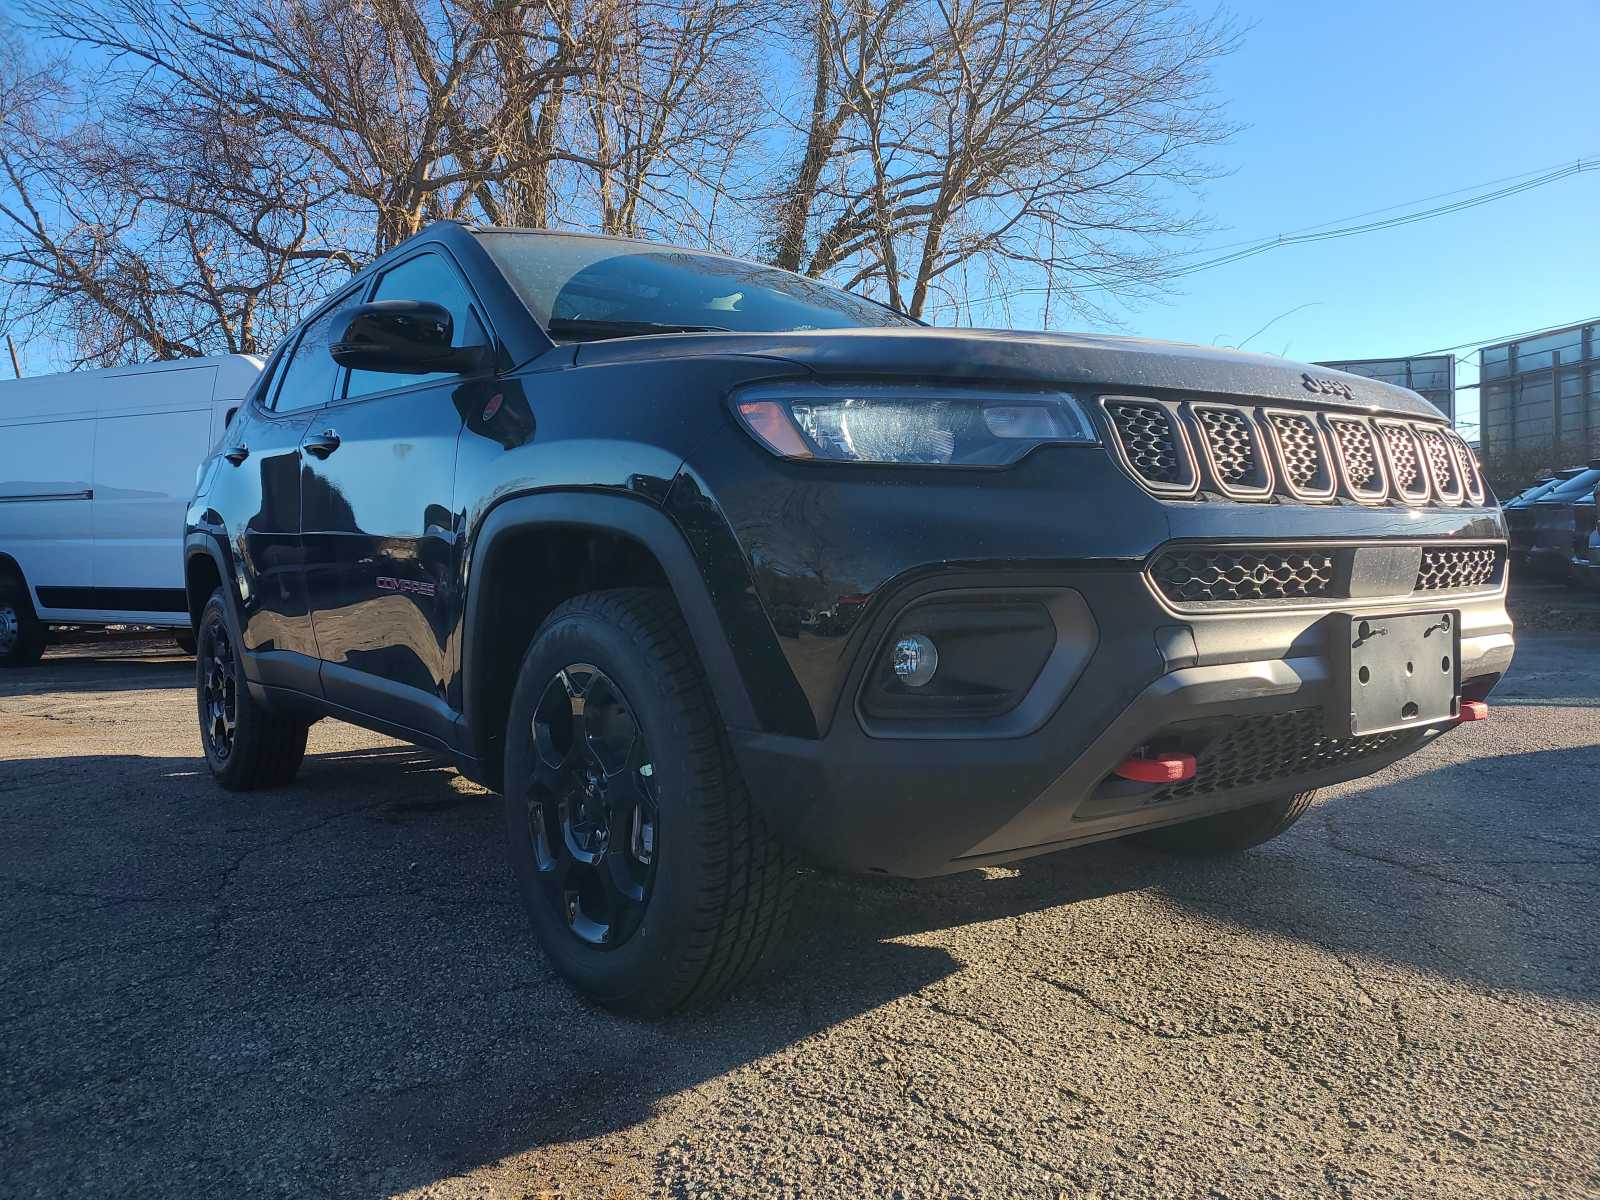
<point x="404" y="337"/>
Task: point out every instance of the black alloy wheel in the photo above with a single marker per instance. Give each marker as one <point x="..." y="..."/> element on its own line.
<point x="593" y="810"/>
<point x="219" y="695"/>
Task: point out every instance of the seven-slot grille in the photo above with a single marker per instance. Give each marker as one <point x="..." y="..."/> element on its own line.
<point x="1247" y="454"/>
<point x="1209" y="577"/>
<point x="1275" y="746"/>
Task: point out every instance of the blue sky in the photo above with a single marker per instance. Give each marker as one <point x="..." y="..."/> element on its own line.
<point x="1360" y="105"/>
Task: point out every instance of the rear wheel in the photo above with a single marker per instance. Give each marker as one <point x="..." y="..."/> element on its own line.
<point x="246" y="745"/>
<point x="1229" y="832"/>
<point x="22" y="634"/>
<point x="649" y="878"/>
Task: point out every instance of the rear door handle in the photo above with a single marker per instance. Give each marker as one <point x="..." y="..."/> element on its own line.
<point x="236" y="454"/>
<point x="322" y="445"/>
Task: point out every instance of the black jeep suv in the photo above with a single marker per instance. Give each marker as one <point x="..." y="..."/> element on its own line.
<point x="706" y="566"/>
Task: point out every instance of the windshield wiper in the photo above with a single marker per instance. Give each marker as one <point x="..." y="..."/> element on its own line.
<point x="596" y="327"/>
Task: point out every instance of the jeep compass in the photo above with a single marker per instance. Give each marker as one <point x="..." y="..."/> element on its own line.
<point x="708" y="568"/>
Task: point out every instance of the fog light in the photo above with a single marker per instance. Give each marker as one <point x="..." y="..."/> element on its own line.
<point x="915" y="660"/>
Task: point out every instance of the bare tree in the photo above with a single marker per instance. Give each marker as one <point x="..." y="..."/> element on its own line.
<point x="1045" y="141"/>
<point x="189" y="174"/>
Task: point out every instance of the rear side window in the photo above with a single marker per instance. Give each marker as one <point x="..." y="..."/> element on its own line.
<point x="428" y="276"/>
<point x="309" y="378"/>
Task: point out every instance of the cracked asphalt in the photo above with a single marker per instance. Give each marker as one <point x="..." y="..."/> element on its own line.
<point x="330" y="991"/>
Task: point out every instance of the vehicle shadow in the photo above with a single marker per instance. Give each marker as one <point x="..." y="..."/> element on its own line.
<point x="335" y="982"/>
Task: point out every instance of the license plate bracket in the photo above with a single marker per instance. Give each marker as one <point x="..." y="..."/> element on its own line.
<point x="1394" y="672"/>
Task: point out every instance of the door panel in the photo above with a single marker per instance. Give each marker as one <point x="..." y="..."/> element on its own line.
<point x="264" y="487"/>
<point x="381" y="551"/>
<point x="143" y="476"/>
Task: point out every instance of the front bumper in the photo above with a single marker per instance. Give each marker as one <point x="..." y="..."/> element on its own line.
<point x="924" y="806"/>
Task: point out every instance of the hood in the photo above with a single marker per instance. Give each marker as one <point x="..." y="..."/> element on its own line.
<point x="1003" y="356"/>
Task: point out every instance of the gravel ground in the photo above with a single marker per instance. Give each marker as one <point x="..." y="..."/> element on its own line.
<point x="329" y="990"/>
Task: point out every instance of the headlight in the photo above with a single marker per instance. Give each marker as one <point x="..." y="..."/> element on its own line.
<point x="909" y="425"/>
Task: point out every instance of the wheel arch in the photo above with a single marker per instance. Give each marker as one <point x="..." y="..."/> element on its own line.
<point x="204" y="571"/>
<point x="622" y="541"/>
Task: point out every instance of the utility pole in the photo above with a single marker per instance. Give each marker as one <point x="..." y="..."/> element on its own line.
<point x="15" y="368"/>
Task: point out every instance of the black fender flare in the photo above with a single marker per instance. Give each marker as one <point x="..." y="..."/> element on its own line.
<point x="198" y="543"/>
<point x="612" y="514"/>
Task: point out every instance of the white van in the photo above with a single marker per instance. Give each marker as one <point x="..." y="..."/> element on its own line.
<point x="96" y="470"/>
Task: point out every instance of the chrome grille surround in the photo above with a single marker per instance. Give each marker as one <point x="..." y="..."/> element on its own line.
<point x="1236" y="457"/>
<point x="1466" y="467"/>
<point x="1403" y="455"/>
<point x="1361" y="461"/>
<point x="1443" y="473"/>
<point x="1305" y="465"/>
<point x="1242" y="452"/>
<point x="1453" y="568"/>
<point x="1229" y="574"/>
<point x="1150" y="440"/>
<point x="1220" y="577"/>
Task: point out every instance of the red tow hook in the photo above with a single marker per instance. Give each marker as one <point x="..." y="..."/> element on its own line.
<point x="1158" y="768"/>
<point x="1474" y="710"/>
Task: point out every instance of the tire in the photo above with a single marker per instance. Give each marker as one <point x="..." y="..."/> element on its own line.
<point x="686" y="891"/>
<point x="1229" y="832"/>
<point x="260" y="749"/>
<point x="22" y="634"/>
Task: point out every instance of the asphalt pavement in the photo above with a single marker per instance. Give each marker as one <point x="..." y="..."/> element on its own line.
<point x="330" y="990"/>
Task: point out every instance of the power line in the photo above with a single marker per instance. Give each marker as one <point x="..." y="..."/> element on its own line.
<point x="1320" y="234"/>
<point x="1507" y="337"/>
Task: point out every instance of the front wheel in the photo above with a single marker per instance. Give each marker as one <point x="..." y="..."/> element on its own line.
<point x="1229" y="832"/>
<point x="649" y="878"/>
<point x="246" y="745"/>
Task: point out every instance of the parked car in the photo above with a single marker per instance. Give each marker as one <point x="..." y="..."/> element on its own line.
<point x="1556" y="524"/>
<point x="538" y="500"/>
<point x="96" y="469"/>
<point x="1520" y="517"/>
<point x="1586" y="555"/>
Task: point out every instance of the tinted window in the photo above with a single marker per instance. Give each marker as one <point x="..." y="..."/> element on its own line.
<point x="425" y="277"/>
<point x="308" y="380"/>
<point x="571" y="280"/>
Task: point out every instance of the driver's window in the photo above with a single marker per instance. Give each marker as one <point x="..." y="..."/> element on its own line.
<point x="428" y="276"/>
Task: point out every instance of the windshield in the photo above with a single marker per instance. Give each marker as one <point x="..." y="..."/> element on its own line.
<point x="582" y="287"/>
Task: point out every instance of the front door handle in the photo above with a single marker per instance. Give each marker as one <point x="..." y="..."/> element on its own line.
<point x="236" y="454"/>
<point x="322" y="445"/>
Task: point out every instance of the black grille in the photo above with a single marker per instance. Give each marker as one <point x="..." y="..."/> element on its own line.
<point x="1404" y="465"/>
<point x="1233" y="448"/>
<point x="1179" y="449"/>
<point x="1210" y="575"/>
<point x="1150" y="441"/>
<point x="1272" y="747"/>
<point x="1359" y="454"/>
<point x="1447" y="567"/>
<point x="1300" y="451"/>
<point x="1441" y="464"/>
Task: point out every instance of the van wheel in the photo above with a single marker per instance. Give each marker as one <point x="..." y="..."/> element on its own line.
<point x="246" y="745"/>
<point x="649" y="878"/>
<point x="22" y="635"/>
<point x="1229" y="832"/>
